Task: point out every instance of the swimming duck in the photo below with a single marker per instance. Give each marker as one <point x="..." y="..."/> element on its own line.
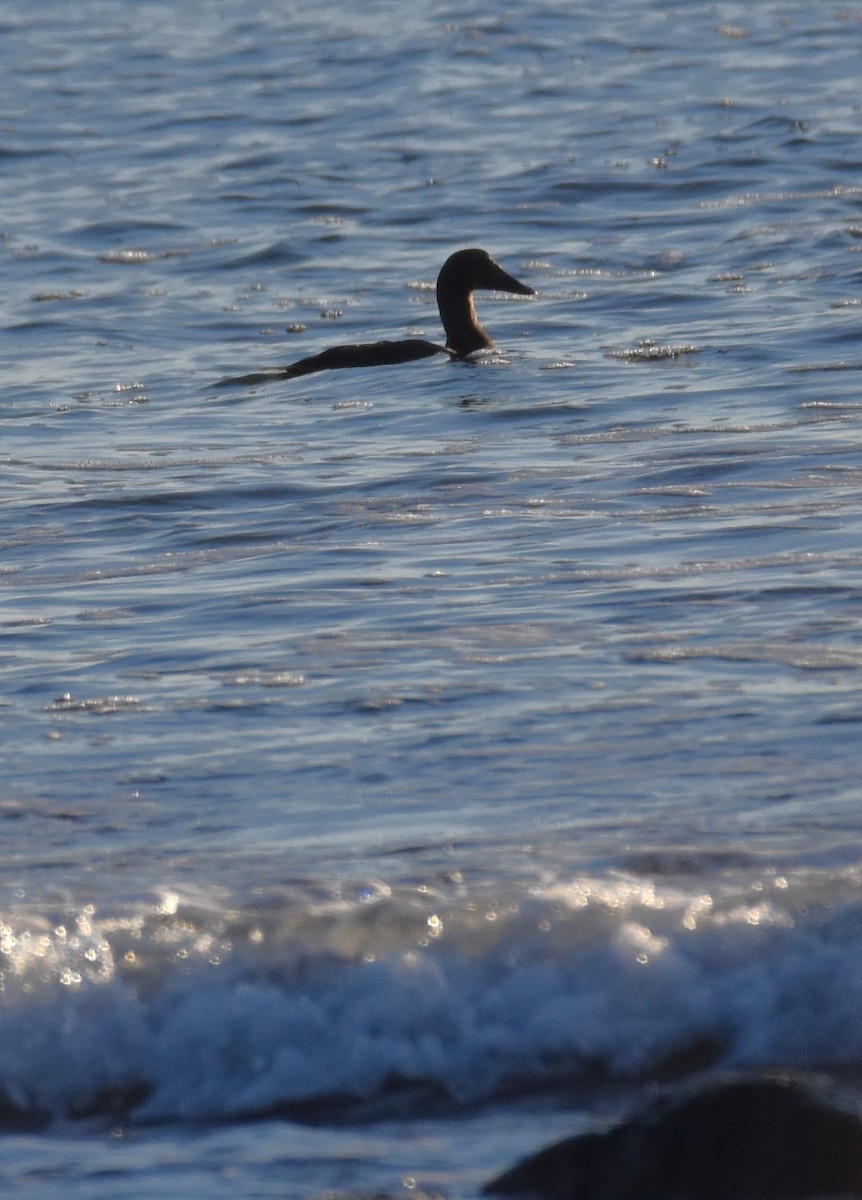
<point x="462" y="274"/>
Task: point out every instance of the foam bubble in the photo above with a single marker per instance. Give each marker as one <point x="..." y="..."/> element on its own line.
<point x="194" y="1008"/>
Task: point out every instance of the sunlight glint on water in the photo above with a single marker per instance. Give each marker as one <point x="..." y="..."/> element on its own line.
<point x="382" y="745"/>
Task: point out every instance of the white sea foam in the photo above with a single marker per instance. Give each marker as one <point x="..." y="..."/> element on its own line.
<point x="218" y="1012"/>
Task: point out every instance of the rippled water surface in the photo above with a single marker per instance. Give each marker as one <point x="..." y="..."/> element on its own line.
<point x="391" y="746"/>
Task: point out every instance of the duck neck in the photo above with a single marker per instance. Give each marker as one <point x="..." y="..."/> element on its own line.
<point x="464" y="334"/>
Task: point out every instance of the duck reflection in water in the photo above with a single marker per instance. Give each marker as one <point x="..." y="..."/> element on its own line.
<point x="463" y="273"/>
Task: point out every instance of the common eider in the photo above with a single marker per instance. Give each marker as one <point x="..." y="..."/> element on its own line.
<point x="463" y="273"/>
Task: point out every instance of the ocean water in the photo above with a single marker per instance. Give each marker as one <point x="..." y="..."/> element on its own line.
<point x="404" y="767"/>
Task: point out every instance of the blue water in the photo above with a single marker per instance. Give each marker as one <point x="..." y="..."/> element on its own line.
<point x="402" y="767"/>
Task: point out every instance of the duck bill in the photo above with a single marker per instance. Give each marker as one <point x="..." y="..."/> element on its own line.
<point x="502" y="281"/>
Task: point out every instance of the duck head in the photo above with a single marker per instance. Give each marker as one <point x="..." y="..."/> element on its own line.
<point x="463" y="273"/>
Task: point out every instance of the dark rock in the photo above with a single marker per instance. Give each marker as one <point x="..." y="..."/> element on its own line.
<point x="757" y="1139"/>
<point x="687" y="1060"/>
<point x="397" y="1097"/>
<point x="116" y="1101"/>
<point x="19" y="1117"/>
